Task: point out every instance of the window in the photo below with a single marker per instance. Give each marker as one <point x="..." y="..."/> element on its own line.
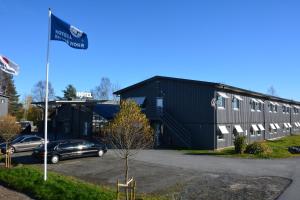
<point x="252" y="105"/>
<point x="296" y="110"/>
<point x="159" y="102"/>
<point x="272" y="128"/>
<point x="68" y="146"/>
<point x="288" y="110"/>
<point x="220" y="135"/>
<point x="222" y="130"/>
<point x="283" y="109"/>
<point x="221" y="102"/>
<point x="285" y="127"/>
<point x="238" y="128"/>
<point x="2" y="100"/>
<point x="235" y="103"/>
<point x="259" y="107"/>
<point x="271" y="108"/>
<point x="253" y="130"/>
<point x="275" y="108"/>
<point x="35" y="139"/>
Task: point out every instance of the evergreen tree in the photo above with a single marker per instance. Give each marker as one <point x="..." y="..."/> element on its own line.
<point x="7" y="87"/>
<point x="70" y="92"/>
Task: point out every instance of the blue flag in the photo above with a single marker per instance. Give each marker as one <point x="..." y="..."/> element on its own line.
<point x="71" y="35"/>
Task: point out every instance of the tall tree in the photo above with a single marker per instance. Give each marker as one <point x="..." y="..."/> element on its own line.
<point x="272" y="91"/>
<point x="7" y="87"/>
<point x="115" y="87"/>
<point x="39" y="92"/>
<point x="103" y="91"/>
<point x="70" y="92"/>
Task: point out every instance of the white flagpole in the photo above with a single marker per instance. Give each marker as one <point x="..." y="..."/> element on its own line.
<point x="46" y="100"/>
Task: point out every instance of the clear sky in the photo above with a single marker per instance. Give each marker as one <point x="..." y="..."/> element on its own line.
<point x="249" y="44"/>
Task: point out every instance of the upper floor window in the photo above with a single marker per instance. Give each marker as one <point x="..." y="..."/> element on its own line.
<point x="283" y="109"/>
<point x="159" y="102"/>
<point x="236" y="102"/>
<point x="221" y="100"/>
<point x="275" y="108"/>
<point x="2" y="101"/>
<point x="260" y="105"/>
<point x="296" y="110"/>
<point x="288" y="110"/>
<point x="253" y="103"/>
<point x="271" y="106"/>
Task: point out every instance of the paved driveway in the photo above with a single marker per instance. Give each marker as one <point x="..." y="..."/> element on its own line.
<point x="156" y="169"/>
<point x="288" y="168"/>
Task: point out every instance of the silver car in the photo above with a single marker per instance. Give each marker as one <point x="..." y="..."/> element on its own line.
<point x="23" y="143"/>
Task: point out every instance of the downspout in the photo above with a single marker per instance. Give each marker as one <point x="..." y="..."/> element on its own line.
<point x="291" y="129"/>
<point x="215" y="123"/>
<point x="264" y="118"/>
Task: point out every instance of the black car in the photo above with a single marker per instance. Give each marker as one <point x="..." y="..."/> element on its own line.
<point x="65" y="149"/>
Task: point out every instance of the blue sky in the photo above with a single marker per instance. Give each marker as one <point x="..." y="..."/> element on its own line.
<point x="248" y="44"/>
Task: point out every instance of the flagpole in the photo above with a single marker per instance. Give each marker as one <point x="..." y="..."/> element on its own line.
<point x="46" y="100"/>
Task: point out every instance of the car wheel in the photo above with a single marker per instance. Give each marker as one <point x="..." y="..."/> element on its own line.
<point x="12" y="150"/>
<point x="100" y="153"/>
<point x="54" y="159"/>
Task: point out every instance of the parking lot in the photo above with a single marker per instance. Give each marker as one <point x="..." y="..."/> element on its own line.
<point x="183" y="176"/>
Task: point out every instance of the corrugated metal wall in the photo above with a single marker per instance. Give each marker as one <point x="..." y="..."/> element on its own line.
<point x="190" y="103"/>
<point x="3" y="106"/>
<point x="246" y="117"/>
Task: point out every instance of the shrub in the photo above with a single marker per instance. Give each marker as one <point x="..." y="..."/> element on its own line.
<point x="258" y="148"/>
<point x="240" y="144"/>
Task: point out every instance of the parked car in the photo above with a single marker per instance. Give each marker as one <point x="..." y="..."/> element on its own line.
<point x="22" y="143"/>
<point x="294" y="149"/>
<point x="65" y="149"/>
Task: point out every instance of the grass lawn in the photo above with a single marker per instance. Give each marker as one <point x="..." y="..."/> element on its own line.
<point x="29" y="180"/>
<point x="279" y="147"/>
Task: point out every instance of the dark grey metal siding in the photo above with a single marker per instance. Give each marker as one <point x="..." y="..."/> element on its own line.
<point x="295" y="117"/>
<point x="276" y="117"/>
<point x="3" y="106"/>
<point x="244" y="117"/>
<point x="188" y="103"/>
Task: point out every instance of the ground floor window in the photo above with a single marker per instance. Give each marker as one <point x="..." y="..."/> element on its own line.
<point x="259" y="133"/>
<point x="252" y="132"/>
<point x="272" y="129"/>
<point x="220" y="135"/>
<point x="253" y="129"/>
<point x="222" y="130"/>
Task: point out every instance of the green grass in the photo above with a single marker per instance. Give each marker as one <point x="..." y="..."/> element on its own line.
<point x="279" y="148"/>
<point x="29" y="180"/>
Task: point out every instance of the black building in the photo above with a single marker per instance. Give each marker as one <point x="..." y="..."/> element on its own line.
<point x="205" y="115"/>
<point x="70" y="119"/>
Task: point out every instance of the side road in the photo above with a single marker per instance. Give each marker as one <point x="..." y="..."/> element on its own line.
<point x="288" y="168"/>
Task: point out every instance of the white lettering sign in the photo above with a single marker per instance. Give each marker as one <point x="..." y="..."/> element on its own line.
<point x="84" y="94"/>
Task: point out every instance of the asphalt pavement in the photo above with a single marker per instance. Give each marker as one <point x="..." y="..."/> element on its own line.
<point x="158" y="171"/>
